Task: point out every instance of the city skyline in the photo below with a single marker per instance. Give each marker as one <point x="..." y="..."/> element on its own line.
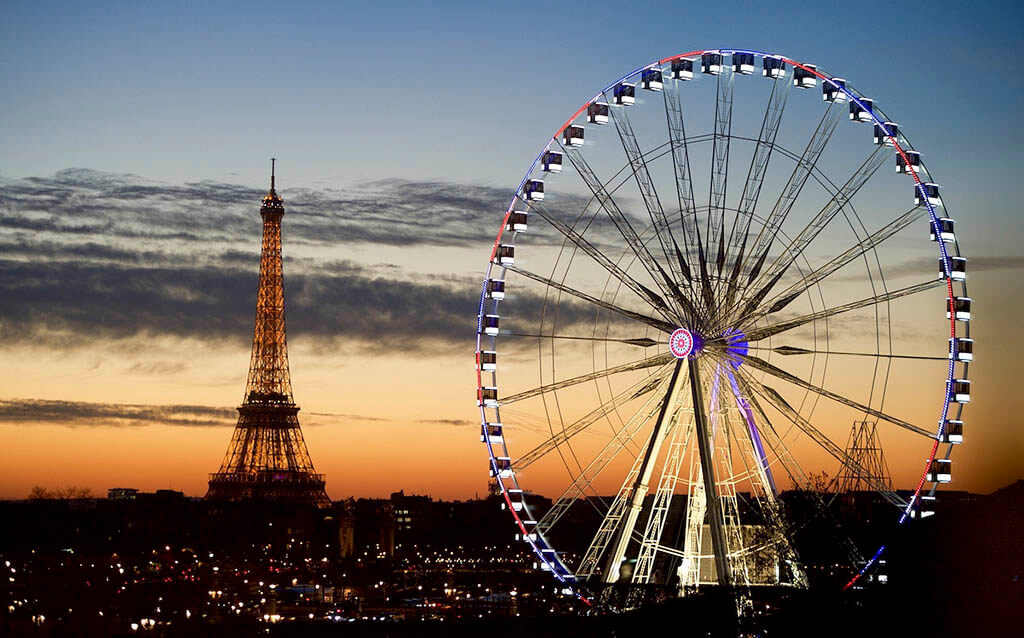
<point x="128" y="283"/>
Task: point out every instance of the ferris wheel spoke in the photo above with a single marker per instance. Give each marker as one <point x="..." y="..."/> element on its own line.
<point x="619" y="219"/>
<point x="816" y="435"/>
<point x="637" y="390"/>
<point x="805" y="166"/>
<point x="664" y="326"/>
<point x="840" y="199"/>
<point x="583" y="482"/>
<point x="649" y="297"/>
<point x="786" y="297"/>
<point x="792" y="350"/>
<point x="758" y="334"/>
<point x="720" y="165"/>
<point x="684" y="189"/>
<point x="643" y="364"/>
<point x="643" y="342"/>
<point x="755" y="179"/>
<point x="642" y="176"/>
<point x="764" y="366"/>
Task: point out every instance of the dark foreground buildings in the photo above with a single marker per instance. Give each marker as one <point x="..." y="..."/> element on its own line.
<point x="411" y="565"/>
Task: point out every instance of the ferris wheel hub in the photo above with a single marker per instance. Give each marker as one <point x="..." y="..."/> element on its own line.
<point x="683" y="343"/>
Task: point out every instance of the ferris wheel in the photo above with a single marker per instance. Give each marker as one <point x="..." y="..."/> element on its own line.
<point x="684" y="347"/>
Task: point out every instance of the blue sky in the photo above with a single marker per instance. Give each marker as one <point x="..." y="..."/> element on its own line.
<point x="454" y="98"/>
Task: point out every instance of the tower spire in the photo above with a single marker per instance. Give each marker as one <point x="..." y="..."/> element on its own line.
<point x="267" y="458"/>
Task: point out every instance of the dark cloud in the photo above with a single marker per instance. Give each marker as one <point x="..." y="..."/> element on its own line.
<point x="88" y="256"/>
<point x="77" y="414"/>
<point x="455" y="422"/>
<point x="82" y="414"/>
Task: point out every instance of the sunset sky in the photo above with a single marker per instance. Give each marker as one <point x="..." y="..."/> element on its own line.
<point x="134" y="149"/>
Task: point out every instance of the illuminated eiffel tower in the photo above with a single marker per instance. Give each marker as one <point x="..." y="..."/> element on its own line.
<point x="268" y="458"/>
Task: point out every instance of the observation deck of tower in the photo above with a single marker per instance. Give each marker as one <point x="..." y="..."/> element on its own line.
<point x="268" y="458"/>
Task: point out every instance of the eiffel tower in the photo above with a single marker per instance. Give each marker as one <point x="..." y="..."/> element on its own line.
<point x="267" y="458"/>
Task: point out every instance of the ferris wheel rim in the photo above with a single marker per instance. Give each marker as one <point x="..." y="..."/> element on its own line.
<point x="546" y="554"/>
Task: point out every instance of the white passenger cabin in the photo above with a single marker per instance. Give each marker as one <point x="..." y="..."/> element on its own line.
<point x="552" y="162"/>
<point x="861" y="112"/>
<point x="953" y="432"/>
<point x="961" y="349"/>
<point x="772" y="67"/>
<point x="913" y="161"/>
<point x="506" y="255"/>
<point x="931" y="193"/>
<point x="488" y="361"/>
<point x="496" y="289"/>
<point x="682" y="69"/>
<point x="492" y="432"/>
<point x="651" y="79"/>
<point x="624" y="94"/>
<point x="803" y="78"/>
<point x="961" y="391"/>
<point x="489" y="396"/>
<point x="573" y="135"/>
<point x="597" y="113"/>
<point x="945" y="225"/>
<point x="711" y="63"/>
<point x="517" y="221"/>
<point x="925" y="506"/>
<point x="887" y="140"/>
<point x="832" y="90"/>
<point x="743" y="63"/>
<point x="503" y="464"/>
<point x="491" y="325"/>
<point x="940" y="471"/>
<point x="534" y="190"/>
<point x="957" y="268"/>
<point x="962" y="308"/>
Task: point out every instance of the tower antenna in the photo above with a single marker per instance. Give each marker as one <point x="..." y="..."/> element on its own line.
<point x="273" y="160"/>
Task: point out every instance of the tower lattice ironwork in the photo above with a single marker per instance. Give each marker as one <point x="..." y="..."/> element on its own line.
<point x="866" y="469"/>
<point x="268" y="458"/>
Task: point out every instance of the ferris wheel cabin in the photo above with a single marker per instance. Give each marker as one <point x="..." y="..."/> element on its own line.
<point x="502" y="467"/>
<point x="961" y="349"/>
<point x="534" y="190"/>
<point x="624" y="94"/>
<point x="573" y="136"/>
<point x="962" y="308"/>
<point x="931" y="192"/>
<point x="940" y="471"/>
<point x="887" y="140"/>
<point x="551" y="162"/>
<point x="925" y="506"/>
<point x="491" y="325"/>
<point x="803" y="78"/>
<point x="517" y="221"/>
<point x="496" y="289"/>
<point x="597" y="113"/>
<point x="945" y="227"/>
<point x="506" y="255"/>
<point x="743" y="63"/>
<point x="832" y="90"/>
<point x="861" y="112"/>
<point x="491" y="432"/>
<point x="957" y="268"/>
<point x="913" y="161"/>
<point x="953" y="432"/>
<point x="489" y="396"/>
<point x="961" y="392"/>
<point x="488" y="361"/>
<point x="711" y="63"/>
<point x="682" y="69"/>
<point x="773" y="68"/>
<point x="651" y="79"/>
